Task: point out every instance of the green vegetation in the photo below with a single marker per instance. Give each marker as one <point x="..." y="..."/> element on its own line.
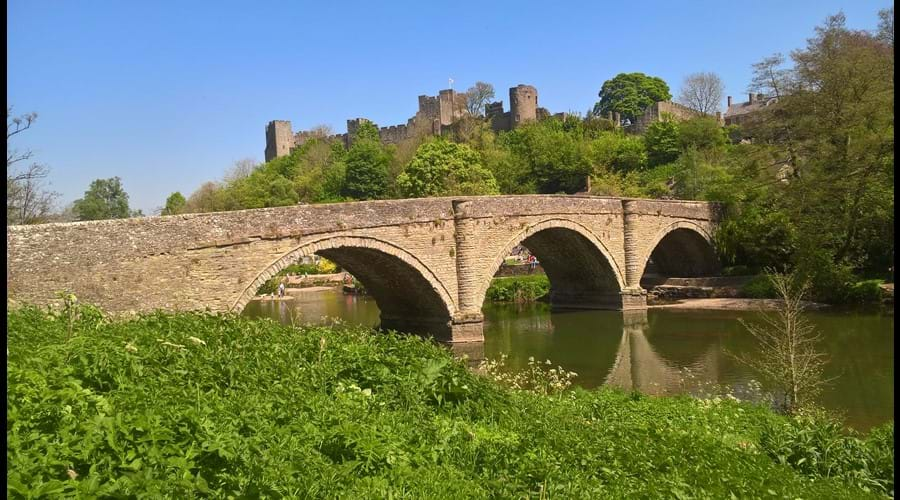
<point x="104" y="199"/>
<point x="518" y="288"/>
<point x="444" y="168"/>
<point x="192" y="404"/>
<point x="630" y="93"/>
<point x="175" y="204"/>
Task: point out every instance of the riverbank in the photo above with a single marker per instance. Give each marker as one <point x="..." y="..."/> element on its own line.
<point x="733" y="304"/>
<point x="176" y="402"/>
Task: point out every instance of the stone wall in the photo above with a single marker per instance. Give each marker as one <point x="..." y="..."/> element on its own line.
<point x="655" y="111"/>
<point x="428" y="262"/>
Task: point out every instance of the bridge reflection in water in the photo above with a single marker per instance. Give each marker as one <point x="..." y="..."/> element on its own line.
<point x="655" y="352"/>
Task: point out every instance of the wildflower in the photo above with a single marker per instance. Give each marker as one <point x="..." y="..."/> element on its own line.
<point x="179" y="346"/>
<point x="130" y="347"/>
<point x="197" y="341"/>
<point x="72" y="474"/>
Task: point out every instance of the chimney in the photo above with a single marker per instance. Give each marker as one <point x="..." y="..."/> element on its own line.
<point x="751" y="98"/>
<point x="729" y="101"/>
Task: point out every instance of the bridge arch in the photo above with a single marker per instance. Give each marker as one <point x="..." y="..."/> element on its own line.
<point x="582" y="271"/>
<point x="408" y="294"/>
<point x="682" y="249"/>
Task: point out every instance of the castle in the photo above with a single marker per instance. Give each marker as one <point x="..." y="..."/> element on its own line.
<point x="435" y="114"/>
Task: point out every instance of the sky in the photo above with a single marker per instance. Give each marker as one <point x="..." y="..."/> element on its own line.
<point x="168" y="95"/>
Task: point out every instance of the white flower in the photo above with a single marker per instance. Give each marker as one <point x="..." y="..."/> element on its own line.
<point x="197" y="341"/>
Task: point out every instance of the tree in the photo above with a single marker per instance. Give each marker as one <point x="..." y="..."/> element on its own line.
<point x="366" y="174"/>
<point x="886" y="26"/>
<point x="27" y="200"/>
<point x="240" y="170"/>
<point x="630" y="93"/>
<point x="702" y="92"/>
<point x="444" y="168"/>
<point x="477" y="97"/>
<point x="662" y="142"/>
<point x="204" y="199"/>
<point x="175" y="204"/>
<point x="104" y="199"/>
<point x="789" y="358"/>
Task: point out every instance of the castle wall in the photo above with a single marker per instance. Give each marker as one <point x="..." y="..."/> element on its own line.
<point x="654" y="113"/>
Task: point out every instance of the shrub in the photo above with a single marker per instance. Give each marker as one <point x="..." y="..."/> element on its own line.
<point x="760" y="287"/>
<point x="865" y="292"/>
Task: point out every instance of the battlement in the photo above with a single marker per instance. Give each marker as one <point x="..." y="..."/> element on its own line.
<point x="434" y="114"/>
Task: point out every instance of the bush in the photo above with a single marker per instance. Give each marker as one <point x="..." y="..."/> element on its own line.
<point x="518" y="289"/>
<point x="817" y="445"/>
<point x="760" y="287"/>
<point x="865" y="292"/>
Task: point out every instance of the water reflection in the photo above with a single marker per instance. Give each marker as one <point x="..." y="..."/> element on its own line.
<point x="656" y="352"/>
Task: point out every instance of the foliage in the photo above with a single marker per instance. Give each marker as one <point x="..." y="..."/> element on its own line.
<point x="443" y="168"/>
<point x="192" y="404"/>
<point x="865" y="292"/>
<point x="759" y="287"/>
<point x="789" y="358"/>
<point x="366" y="175"/>
<point x="662" y="142"/>
<point x="518" y="288"/>
<point x="816" y="445"/>
<point x="556" y="159"/>
<point x="104" y="199"/>
<point x="630" y="93"/>
<point x="175" y="204"/>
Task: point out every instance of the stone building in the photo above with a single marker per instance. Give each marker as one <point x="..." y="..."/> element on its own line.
<point x="434" y="115"/>
<point x="655" y="112"/>
<point x="737" y="113"/>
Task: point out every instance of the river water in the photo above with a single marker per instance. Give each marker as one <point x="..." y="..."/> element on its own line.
<point x="660" y="351"/>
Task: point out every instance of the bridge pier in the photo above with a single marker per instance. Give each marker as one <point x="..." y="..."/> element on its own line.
<point x="634" y="298"/>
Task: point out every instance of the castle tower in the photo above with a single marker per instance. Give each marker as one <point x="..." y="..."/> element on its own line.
<point x="447" y="99"/>
<point x="522" y="105"/>
<point x="279" y="139"/>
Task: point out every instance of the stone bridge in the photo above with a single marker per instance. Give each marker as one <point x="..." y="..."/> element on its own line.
<point x="427" y="262"/>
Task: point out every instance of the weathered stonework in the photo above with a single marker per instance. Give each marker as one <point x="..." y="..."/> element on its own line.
<point x="427" y="262"/>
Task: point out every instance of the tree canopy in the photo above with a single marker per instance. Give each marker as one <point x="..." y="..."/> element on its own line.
<point x="104" y="199"/>
<point x="630" y="93"/>
<point x="444" y="168"/>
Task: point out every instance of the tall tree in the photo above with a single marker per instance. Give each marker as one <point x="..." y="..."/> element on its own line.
<point x="28" y="201"/>
<point x="477" y="98"/>
<point x="366" y="165"/>
<point x="174" y="204"/>
<point x="702" y="91"/>
<point x="630" y="93"/>
<point x="104" y="199"/>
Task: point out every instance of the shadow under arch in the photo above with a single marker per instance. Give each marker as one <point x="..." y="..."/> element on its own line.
<point x="410" y="297"/>
<point x="582" y="272"/>
<point x="682" y="250"/>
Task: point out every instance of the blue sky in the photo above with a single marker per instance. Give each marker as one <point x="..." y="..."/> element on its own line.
<point x="167" y="95"/>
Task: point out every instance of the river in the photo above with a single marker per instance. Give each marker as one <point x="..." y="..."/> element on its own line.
<point x="660" y="351"/>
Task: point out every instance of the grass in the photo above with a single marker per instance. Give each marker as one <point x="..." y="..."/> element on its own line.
<point x="518" y="288"/>
<point x="194" y="405"/>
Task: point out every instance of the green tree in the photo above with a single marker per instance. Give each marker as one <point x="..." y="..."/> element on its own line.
<point x="662" y="141"/>
<point x="444" y="168"/>
<point x="630" y="93"/>
<point x="366" y="175"/>
<point x="175" y="204"/>
<point x="104" y="199"/>
<point x="557" y="160"/>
